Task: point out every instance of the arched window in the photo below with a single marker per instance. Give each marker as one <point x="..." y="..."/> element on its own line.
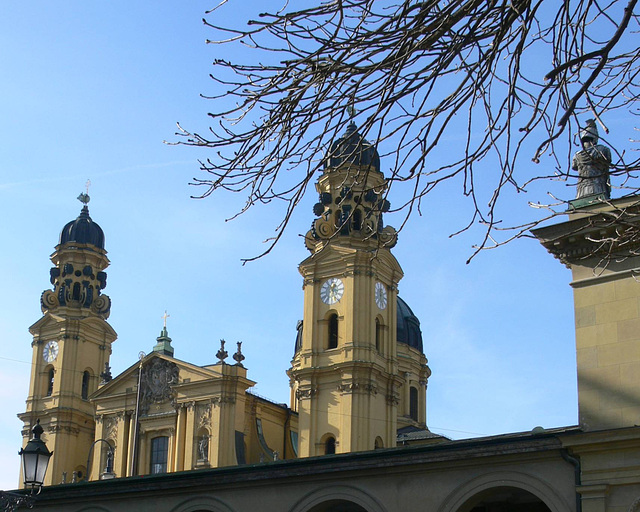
<point x="379" y="443"/>
<point x="378" y="335"/>
<point x="159" y="453"/>
<point x="50" y="382"/>
<point x="76" y="291"/>
<point x="333" y="331"/>
<point x="330" y="446"/>
<point x="85" y="385"/>
<point x="413" y="403"/>
<point x="357" y="219"/>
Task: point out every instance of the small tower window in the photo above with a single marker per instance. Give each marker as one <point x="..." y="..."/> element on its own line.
<point x="330" y="446"/>
<point x="357" y="219"/>
<point x="159" y="452"/>
<point x="76" y="291"/>
<point x="50" y="382"/>
<point x="333" y="331"/>
<point x="378" y="335"/>
<point x="85" y="385"/>
<point x="379" y="443"/>
<point x="413" y="403"/>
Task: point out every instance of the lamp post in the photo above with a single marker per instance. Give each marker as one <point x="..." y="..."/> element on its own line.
<point x="108" y="470"/>
<point x="35" y="459"/>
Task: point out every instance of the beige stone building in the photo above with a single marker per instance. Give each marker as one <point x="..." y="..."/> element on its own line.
<point x="189" y="438"/>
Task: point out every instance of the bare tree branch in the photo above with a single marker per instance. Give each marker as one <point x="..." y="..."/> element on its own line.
<point x="491" y="75"/>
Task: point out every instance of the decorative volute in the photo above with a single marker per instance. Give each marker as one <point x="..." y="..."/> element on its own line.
<point x="78" y="276"/>
<point x="352" y="199"/>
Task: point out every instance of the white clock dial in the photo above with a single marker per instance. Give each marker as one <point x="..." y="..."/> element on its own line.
<point x="332" y="290"/>
<point x="50" y="351"/>
<point x="381" y="295"/>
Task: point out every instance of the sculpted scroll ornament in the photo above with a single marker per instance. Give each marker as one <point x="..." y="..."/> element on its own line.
<point x="353" y="386"/>
<point x="306" y="393"/>
<point x="204" y="415"/>
<point x="110" y="427"/>
<point x="156" y="381"/>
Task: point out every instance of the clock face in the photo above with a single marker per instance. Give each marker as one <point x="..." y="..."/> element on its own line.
<point x="50" y="351"/>
<point x="332" y="290"/>
<point x="381" y="295"/>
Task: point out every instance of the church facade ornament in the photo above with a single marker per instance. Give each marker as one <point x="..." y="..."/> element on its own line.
<point x="203" y="415"/>
<point x="157" y="381"/>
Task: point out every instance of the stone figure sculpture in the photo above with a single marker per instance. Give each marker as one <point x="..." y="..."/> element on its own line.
<point x="592" y="163"/>
<point x="203" y="448"/>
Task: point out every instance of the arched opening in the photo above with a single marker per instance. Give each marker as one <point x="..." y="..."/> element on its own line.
<point x="378" y="335"/>
<point x="330" y="446"/>
<point x="159" y="455"/>
<point x="202" y="446"/>
<point x="76" y="291"/>
<point x="357" y="219"/>
<point x="50" y="375"/>
<point x="413" y="403"/>
<point x="333" y="331"/>
<point x="502" y="499"/>
<point x="378" y="443"/>
<point x="86" y="376"/>
<point x="104" y="456"/>
<point x="338" y="506"/>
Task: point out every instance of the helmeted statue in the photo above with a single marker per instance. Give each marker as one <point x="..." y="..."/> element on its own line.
<point x="592" y="163"/>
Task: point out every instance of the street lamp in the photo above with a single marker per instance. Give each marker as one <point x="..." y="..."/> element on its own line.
<point x="108" y="470"/>
<point x="35" y="459"/>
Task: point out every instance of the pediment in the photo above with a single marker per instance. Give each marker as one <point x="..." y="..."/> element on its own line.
<point x="127" y="381"/>
<point x="50" y="321"/>
<point x="338" y="259"/>
<point x="45" y="321"/>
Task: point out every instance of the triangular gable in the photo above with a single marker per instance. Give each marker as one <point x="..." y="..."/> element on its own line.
<point x="49" y="318"/>
<point x="129" y="377"/>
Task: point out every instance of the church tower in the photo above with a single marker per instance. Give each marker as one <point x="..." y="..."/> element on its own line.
<point x="71" y="345"/>
<point x="348" y="385"/>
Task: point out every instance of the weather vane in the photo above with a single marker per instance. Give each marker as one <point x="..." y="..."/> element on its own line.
<point x="84" y="197"/>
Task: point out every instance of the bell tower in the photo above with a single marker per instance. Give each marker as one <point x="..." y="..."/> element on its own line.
<point x="345" y="378"/>
<point x="71" y="345"/>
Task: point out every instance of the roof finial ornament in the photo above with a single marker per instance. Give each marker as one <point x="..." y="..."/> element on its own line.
<point x="222" y="353"/>
<point x="351" y="110"/>
<point x="164" y="318"/>
<point x="106" y="374"/>
<point x="84" y="196"/>
<point x="238" y="356"/>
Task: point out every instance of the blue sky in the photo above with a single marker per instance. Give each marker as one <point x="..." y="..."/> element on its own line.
<point x="91" y="90"/>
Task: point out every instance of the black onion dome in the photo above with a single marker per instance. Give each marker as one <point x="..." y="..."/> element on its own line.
<point x="83" y="231"/>
<point x="408" y="331"/>
<point x="352" y="148"/>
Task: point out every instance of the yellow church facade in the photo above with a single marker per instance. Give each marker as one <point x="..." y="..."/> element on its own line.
<point x="358" y="377"/>
<point x="186" y="438"/>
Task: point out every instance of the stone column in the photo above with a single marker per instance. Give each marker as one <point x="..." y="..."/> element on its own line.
<point x="190" y="433"/>
<point x="181" y="425"/>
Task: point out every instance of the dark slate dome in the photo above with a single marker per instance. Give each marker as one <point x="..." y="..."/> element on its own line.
<point x="83" y="231"/>
<point x="408" y="331"/>
<point x="352" y="148"/>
